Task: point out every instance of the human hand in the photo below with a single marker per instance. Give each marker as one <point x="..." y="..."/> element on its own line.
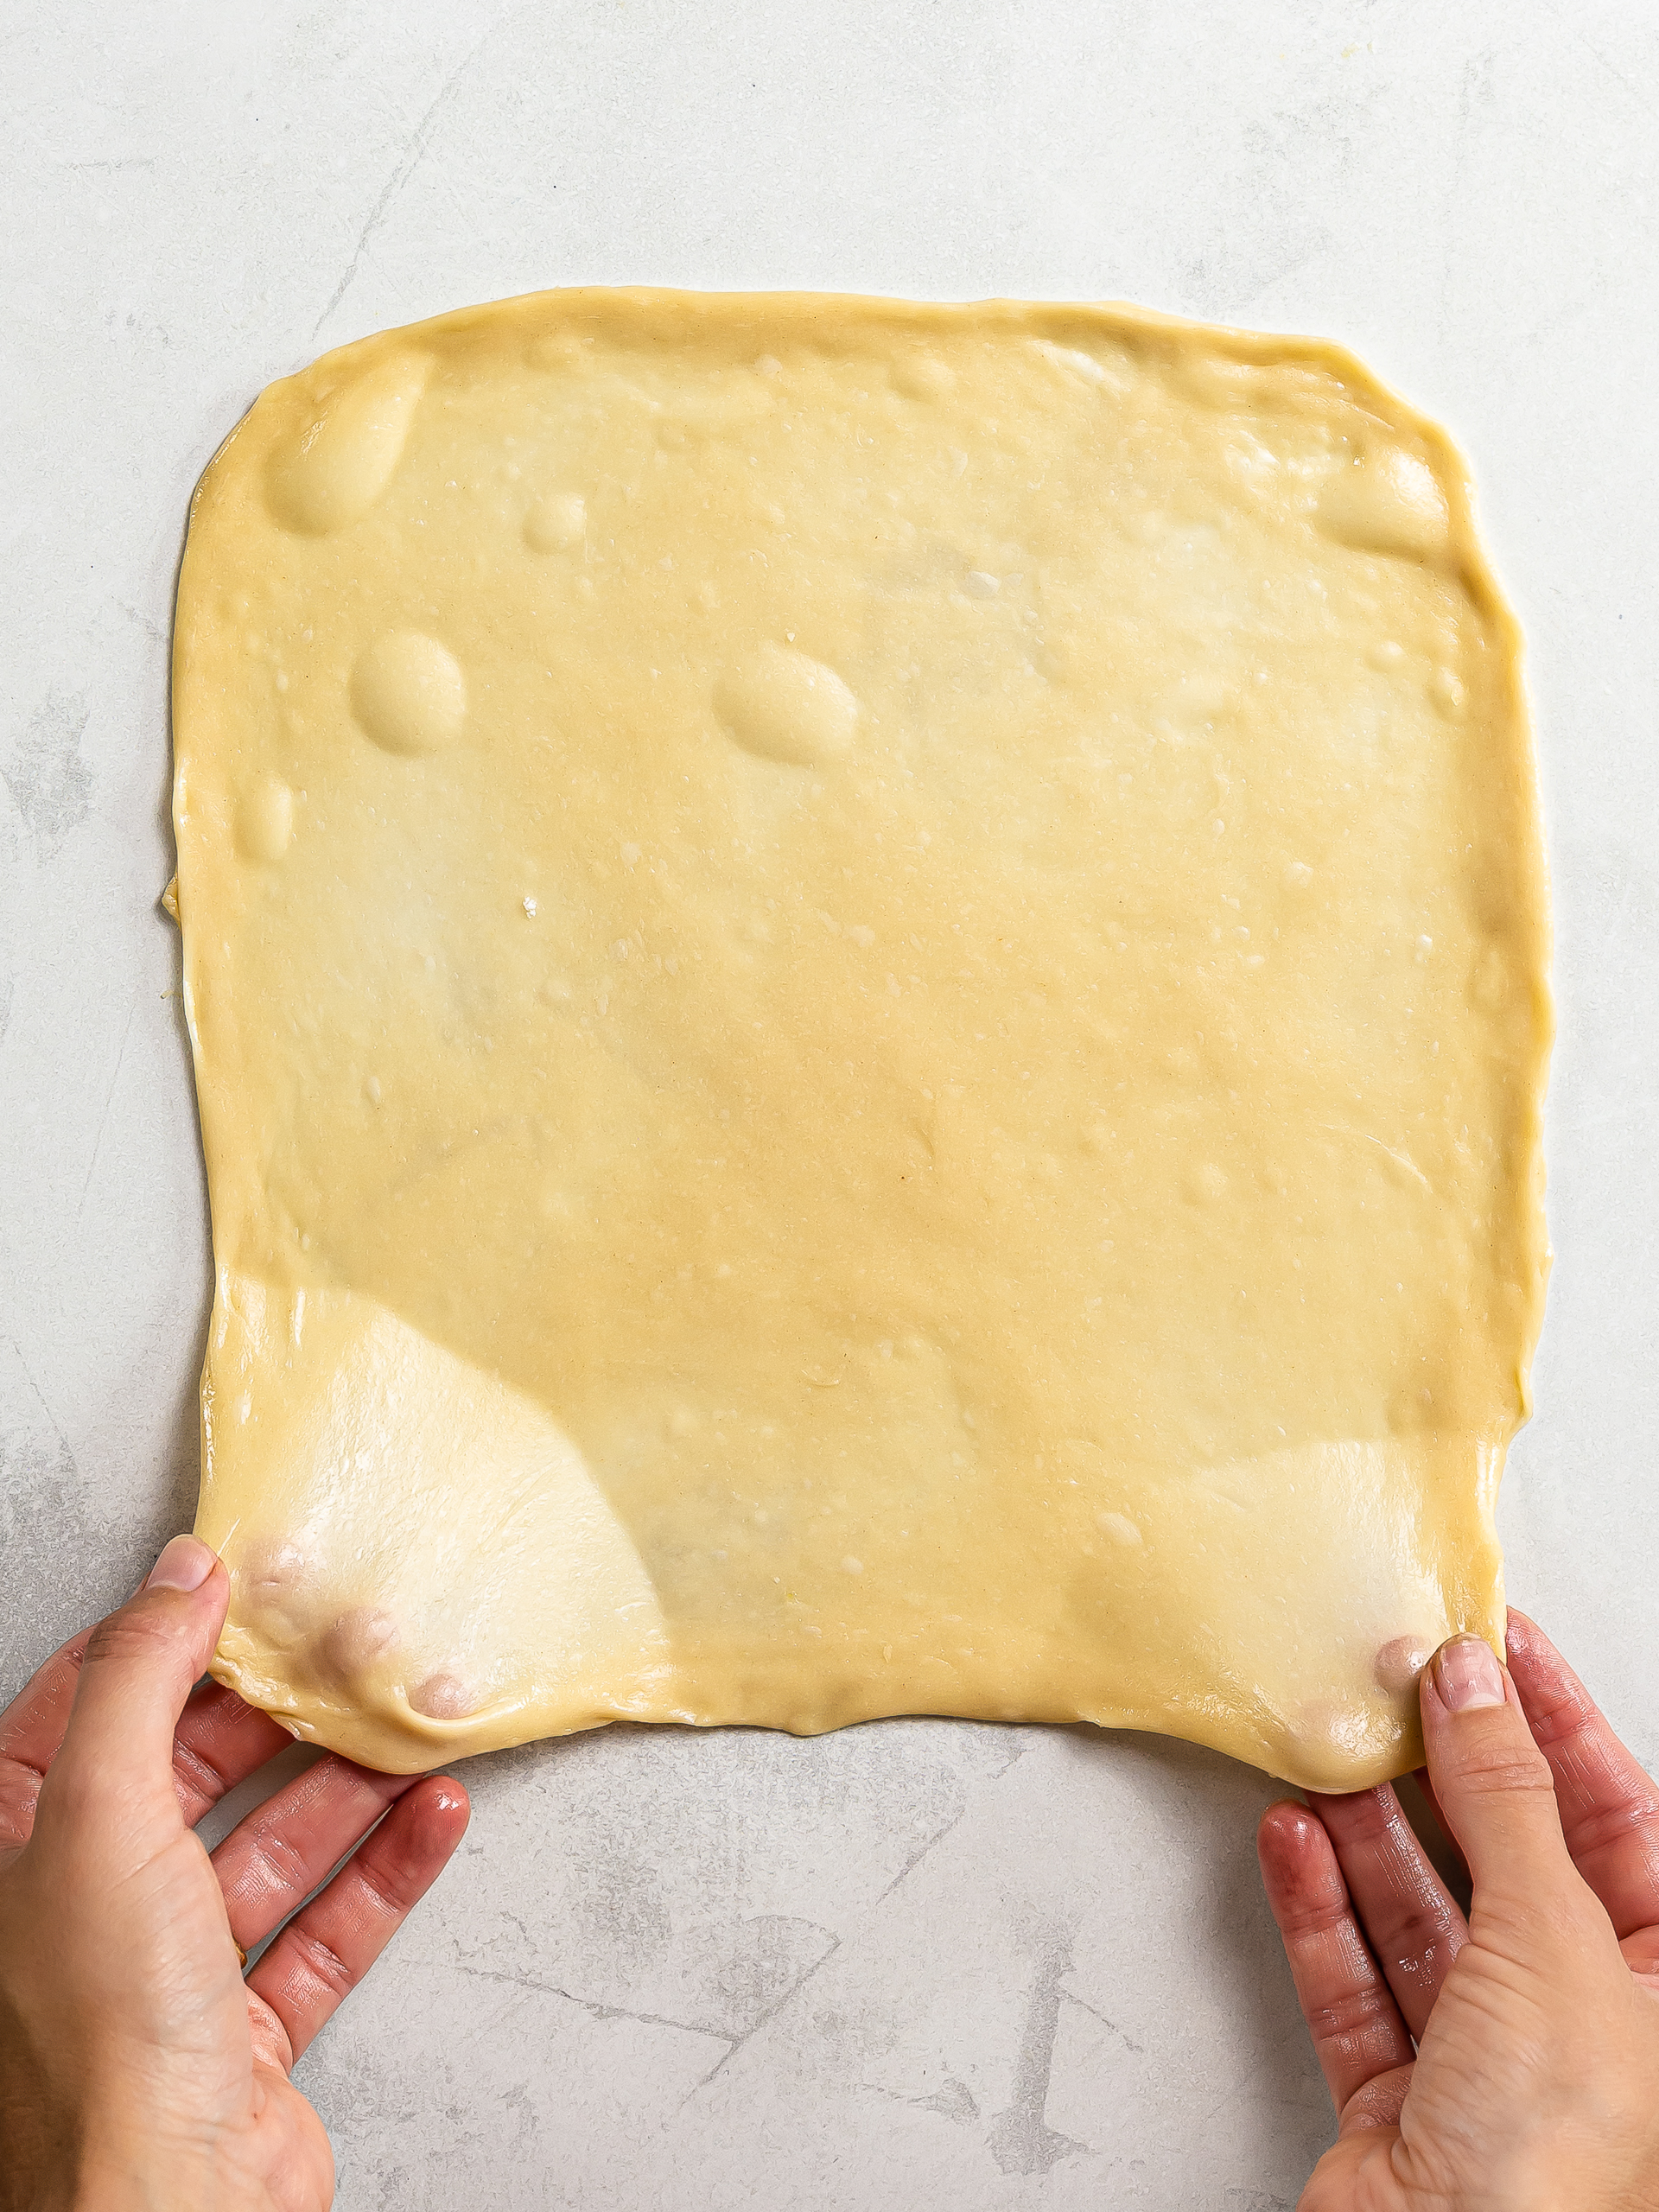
<point x="137" y="2068"/>
<point x="1536" y="2079"/>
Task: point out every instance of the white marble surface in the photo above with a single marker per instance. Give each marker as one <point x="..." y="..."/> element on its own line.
<point x="920" y="1965"/>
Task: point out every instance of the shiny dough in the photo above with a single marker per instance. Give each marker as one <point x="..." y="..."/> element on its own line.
<point x="868" y="993"/>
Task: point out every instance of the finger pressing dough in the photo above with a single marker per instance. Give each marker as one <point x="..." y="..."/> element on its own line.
<point x="868" y="985"/>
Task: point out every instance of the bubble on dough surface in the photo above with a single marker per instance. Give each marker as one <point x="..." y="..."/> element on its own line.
<point x="1386" y="503"/>
<point x="1399" y="1661"/>
<point x="1104" y="365"/>
<point x="443" y="1697"/>
<point x="924" y="376"/>
<point x="780" y="705"/>
<point x="329" y="471"/>
<point x="1118" y="1528"/>
<point x="408" y="693"/>
<point x="274" y="1580"/>
<point x="356" y="1640"/>
<point x="557" y="521"/>
<point x="265" y="820"/>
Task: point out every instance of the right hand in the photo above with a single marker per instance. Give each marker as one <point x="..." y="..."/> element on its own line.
<point x="1535" y="2084"/>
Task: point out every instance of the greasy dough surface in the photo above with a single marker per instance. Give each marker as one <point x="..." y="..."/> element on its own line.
<point x="868" y="993"/>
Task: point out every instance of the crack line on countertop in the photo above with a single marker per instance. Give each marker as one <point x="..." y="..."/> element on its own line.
<point x="1592" y="49"/>
<point x="57" y="1429"/>
<point x="771" y="2012"/>
<point x="907" y="1869"/>
<point x="409" y="162"/>
<point x="919" y="1853"/>
<point x="600" y="2011"/>
<point x="109" y="1100"/>
<point x="1070" y="1997"/>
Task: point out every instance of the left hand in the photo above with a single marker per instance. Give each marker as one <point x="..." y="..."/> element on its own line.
<point x="137" y="2068"/>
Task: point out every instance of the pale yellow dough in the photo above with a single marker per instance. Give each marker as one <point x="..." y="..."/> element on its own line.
<point x="869" y="989"/>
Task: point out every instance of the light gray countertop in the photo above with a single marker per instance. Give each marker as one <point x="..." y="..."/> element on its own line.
<point x="923" y="1964"/>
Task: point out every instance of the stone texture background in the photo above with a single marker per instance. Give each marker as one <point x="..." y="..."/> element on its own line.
<point x="924" y="1964"/>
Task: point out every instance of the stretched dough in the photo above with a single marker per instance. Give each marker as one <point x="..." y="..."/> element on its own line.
<point x="868" y="985"/>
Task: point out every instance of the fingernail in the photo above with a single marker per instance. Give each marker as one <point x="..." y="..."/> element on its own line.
<point x="185" y="1564"/>
<point x="1466" y="1674"/>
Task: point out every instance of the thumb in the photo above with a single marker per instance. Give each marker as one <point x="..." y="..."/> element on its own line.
<point x="139" y="1669"/>
<point x="1492" y="1782"/>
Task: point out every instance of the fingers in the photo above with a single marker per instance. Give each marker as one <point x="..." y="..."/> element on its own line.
<point x="1608" y="1808"/>
<point x="1356" y="2024"/>
<point x="273" y="1859"/>
<point x="1491" y="1782"/>
<point x="219" y="1742"/>
<point x="31" y="1729"/>
<point x="1425" y="1789"/>
<point x="1407" y="1914"/>
<point x="325" y="1951"/>
<point x="136" y="1674"/>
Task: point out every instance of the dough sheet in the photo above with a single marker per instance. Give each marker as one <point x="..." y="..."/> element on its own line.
<point x="868" y="993"/>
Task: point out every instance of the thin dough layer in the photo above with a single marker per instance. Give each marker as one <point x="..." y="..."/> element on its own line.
<point x="869" y="993"/>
